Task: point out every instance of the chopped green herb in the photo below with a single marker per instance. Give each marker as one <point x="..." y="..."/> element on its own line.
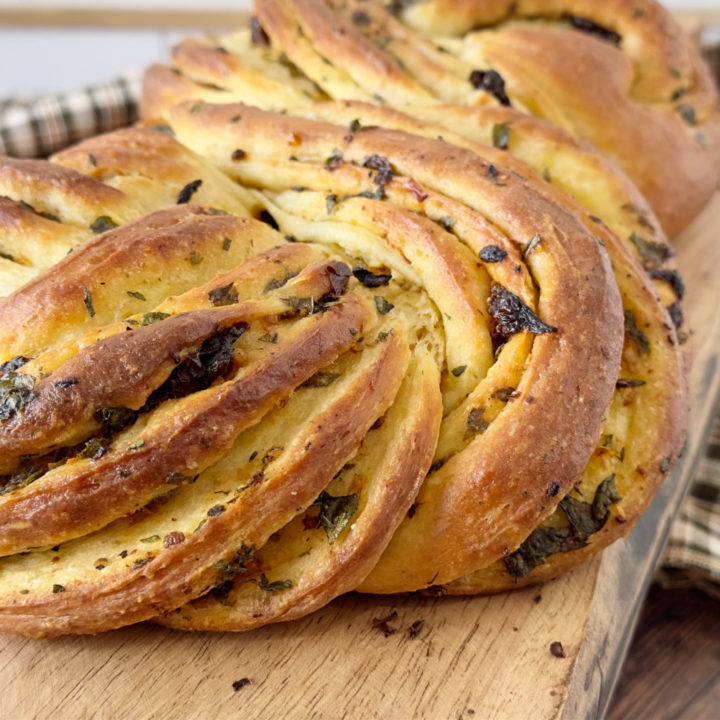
<point x="653" y="254"/>
<point x="216" y="510"/>
<point x="268" y="338"/>
<point x="592" y="28"/>
<point x="476" y="423"/>
<point x="634" y="334"/>
<point x="225" y="295"/>
<point x="153" y="317"/>
<point x="137" y="444"/>
<point x="447" y="222"/>
<point x="152" y="538"/>
<point x="355" y="126"/>
<point x="58" y="588"/>
<point x="504" y="394"/>
<point x="115" y="419"/>
<point x="384" y="171"/>
<point x="382" y="305"/>
<point x="585" y="519"/>
<point x="93" y="449"/>
<point x="370" y="279"/>
<point x="321" y="379"/>
<point x="273" y="587"/>
<point x="103" y="224"/>
<point x="383" y="624"/>
<point x="188" y="191"/>
<point x="14" y="364"/>
<point x="178" y="478"/>
<point x="87" y="299"/>
<point x="137" y="295"/>
<point x="501" y="135"/>
<point x="16" y="391"/>
<point x="334" y="160"/>
<point x="628" y="383"/>
<point x="227" y="242"/>
<point x="492" y="254"/>
<point x="195" y="258"/>
<point x="459" y="370"/>
<point x="67" y="382"/>
<point x="336" y="513"/>
<point x="416" y="628"/>
<point x="330" y="202"/>
<point x="687" y="113"/>
<point x="304" y="304"/>
<point x="672" y="278"/>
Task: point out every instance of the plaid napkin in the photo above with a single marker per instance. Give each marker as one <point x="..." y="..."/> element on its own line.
<point x="38" y="127"/>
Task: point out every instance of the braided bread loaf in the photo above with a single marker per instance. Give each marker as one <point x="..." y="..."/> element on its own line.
<point x="371" y="359"/>
<point x="622" y="76"/>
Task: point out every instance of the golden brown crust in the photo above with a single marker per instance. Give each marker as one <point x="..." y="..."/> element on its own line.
<point x="127" y="260"/>
<point x="94" y="601"/>
<point x="176" y="442"/>
<point x="385" y="475"/>
<point x="647" y="101"/>
<point x="559" y="363"/>
<point x="501" y="284"/>
<point x="638" y="456"/>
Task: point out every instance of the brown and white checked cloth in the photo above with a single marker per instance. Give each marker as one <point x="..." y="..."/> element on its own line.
<point x="38" y="127"/>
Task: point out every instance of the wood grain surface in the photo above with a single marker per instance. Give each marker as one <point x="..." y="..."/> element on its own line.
<point x="474" y="658"/>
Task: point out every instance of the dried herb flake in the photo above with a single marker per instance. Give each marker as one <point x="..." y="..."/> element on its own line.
<point x="501" y="135"/>
<point x="382" y="305"/>
<point x="492" y="254"/>
<point x="634" y="334"/>
<point x="225" y="295"/>
<point x="371" y="279"/>
<point x="188" y="191"/>
<point x="87" y="299"/>
<point x="336" y="513"/>
<point x="103" y="224"/>
<point x="16" y="391"/>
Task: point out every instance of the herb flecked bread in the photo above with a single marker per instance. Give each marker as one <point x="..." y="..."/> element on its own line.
<point x="620" y="75"/>
<point x="316" y="352"/>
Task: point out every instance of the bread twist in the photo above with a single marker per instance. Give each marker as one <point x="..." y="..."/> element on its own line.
<point x="373" y="359"/>
<point x="622" y="76"/>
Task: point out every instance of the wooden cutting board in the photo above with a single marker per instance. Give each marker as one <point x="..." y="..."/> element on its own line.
<point x="473" y="659"/>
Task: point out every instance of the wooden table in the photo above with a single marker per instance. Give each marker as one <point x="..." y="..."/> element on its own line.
<point x="475" y="658"/>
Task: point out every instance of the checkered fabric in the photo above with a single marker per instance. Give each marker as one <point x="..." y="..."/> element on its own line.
<point x="38" y="127"/>
<point x="693" y="551"/>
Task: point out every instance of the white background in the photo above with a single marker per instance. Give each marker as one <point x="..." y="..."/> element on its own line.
<point x="42" y="60"/>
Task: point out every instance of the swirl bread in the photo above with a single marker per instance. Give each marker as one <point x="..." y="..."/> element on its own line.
<point x="266" y="430"/>
<point x="622" y="76"/>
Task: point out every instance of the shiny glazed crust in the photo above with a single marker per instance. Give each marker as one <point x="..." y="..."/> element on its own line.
<point x="286" y="481"/>
<point x="622" y="76"/>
